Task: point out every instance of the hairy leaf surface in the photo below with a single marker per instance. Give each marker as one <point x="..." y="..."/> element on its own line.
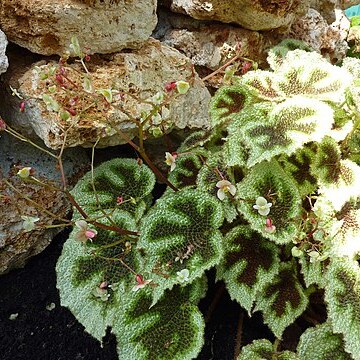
<point x="115" y="178"/>
<point x="181" y="232"/>
<point x="282" y="301"/>
<point x="342" y="295"/>
<point x="249" y="264"/>
<point x="320" y="343"/>
<point x="269" y="180"/>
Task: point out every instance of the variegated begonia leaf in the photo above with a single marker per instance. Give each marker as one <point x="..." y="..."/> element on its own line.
<point x="179" y="234"/>
<point x="326" y="166"/>
<point x="320" y="343"/>
<point x="227" y="102"/>
<point x="311" y="75"/>
<point x="250" y="262"/>
<point x="263" y="85"/>
<point x="344" y="229"/>
<point x="117" y="178"/>
<point x="213" y="171"/>
<point x="265" y="350"/>
<point x="290" y="125"/>
<point x="352" y="65"/>
<point x="187" y="168"/>
<point x="342" y="295"/>
<point x="171" y="329"/>
<point x="298" y="166"/>
<point x="277" y="53"/>
<point x="346" y="187"/>
<point x="236" y="150"/>
<point x="282" y="301"/>
<point x="82" y="268"/>
<point x="313" y="271"/>
<point x="270" y="181"/>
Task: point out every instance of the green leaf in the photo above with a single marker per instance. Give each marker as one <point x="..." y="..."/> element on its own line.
<point x="279" y="52"/>
<point x="187" y="168"/>
<point x="311" y="75"/>
<point x="290" y="125"/>
<point x="249" y="264"/>
<point x="320" y="343"/>
<point x="80" y="273"/>
<point x="345" y="188"/>
<point x="181" y="232"/>
<point x="282" y="301"/>
<point x="313" y="272"/>
<point x="262" y="84"/>
<point x="326" y="166"/>
<point x="227" y="102"/>
<point x="115" y="178"/>
<point x="171" y="329"/>
<point x="265" y="350"/>
<point x="235" y="146"/>
<point x="342" y="295"/>
<point x="208" y="177"/>
<point x="298" y="166"/>
<point x="269" y="180"/>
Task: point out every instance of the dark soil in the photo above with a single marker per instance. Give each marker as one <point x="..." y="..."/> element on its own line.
<point x="41" y="334"/>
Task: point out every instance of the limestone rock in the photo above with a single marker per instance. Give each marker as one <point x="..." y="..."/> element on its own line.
<point x="3" y="59"/>
<point x="328" y="38"/>
<point x="140" y="74"/>
<point x="17" y="245"/>
<point x="211" y="45"/>
<point x="103" y="26"/>
<point x="250" y="14"/>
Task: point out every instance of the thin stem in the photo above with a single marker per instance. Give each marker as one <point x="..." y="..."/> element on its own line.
<point x="221" y="68"/>
<point x="238" y="336"/>
<point x="220" y="292"/>
<point x="14" y="133"/>
<point x="35" y="204"/>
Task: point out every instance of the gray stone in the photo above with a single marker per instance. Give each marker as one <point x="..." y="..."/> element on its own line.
<point x="250" y="14"/>
<point x="3" y="59"/>
<point x="103" y="26"/>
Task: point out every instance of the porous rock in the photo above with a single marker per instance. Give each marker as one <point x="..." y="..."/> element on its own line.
<point x="250" y="14"/>
<point x="325" y="32"/>
<point x="17" y="245"/>
<point x="103" y="26"/>
<point x="141" y="72"/>
<point x="212" y="44"/>
<point x="3" y="59"/>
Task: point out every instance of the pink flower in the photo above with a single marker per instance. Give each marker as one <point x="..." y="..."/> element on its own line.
<point x="140" y="282"/>
<point x="269" y="227"/>
<point x="224" y="187"/>
<point x="119" y="200"/>
<point x="22" y="106"/>
<point x="84" y="232"/>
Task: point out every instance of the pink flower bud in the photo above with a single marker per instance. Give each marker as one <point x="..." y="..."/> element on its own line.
<point x="246" y="67"/>
<point x="22" y="106"/>
<point x="170" y="86"/>
<point x="2" y="124"/>
<point x="90" y="234"/>
<point x="139" y="279"/>
<point x="119" y="200"/>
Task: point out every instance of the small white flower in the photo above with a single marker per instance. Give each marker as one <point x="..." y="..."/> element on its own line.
<point x="296" y="252"/>
<point x="262" y="206"/>
<point x="224" y="187"/>
<point x="170" y="160"/>
<point x="183" y="276"/>
<point x="84" y="232"/>
<point x="29" y="222"/>
<point x="25" y="172"/>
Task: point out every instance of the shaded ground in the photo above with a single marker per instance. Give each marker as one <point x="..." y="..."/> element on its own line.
<point x="41" y="334"/>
